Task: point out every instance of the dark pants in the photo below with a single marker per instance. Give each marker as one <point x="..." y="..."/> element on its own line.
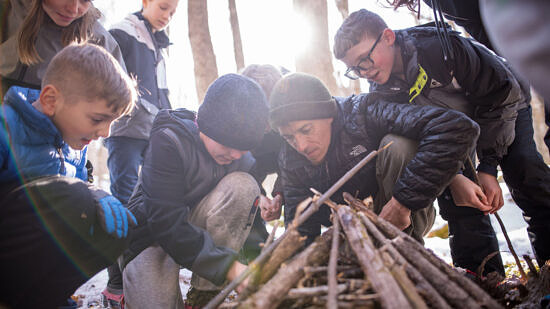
<point x="547" y="121"/>
<point x="528" y="179"/>
<point x="472" y="237"/>
<point x="125" y="158"/>
<point x="46" y="250"/>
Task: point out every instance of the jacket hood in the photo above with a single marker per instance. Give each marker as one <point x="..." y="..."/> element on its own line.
<point x="20" y="100"/>
<point x="179" y="120"/>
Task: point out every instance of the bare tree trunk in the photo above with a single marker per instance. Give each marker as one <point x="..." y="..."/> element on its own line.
<point x="343" y="8"/>
<point x="206" y="70"/>
<point x="237" y="43"/>
<point x="317" y="57"/>
<point x="539" y="125"/>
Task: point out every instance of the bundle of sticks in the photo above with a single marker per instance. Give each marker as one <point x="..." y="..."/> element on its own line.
<point x="361" y="262"/>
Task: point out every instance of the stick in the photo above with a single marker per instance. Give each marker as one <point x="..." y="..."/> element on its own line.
<point x="271" y="235"/>
<point x="272" y="293"/>
<point x="332" y="302"/>
<point x="422" y="285"/>
<point x="314" y="291"/>
<point x="391" y="295"/>
<point x="392" y="232"/>
<point x="303" y="217"/>
<point x="532" y="268"/>
<point x="508" y="242"/>
<point x="291" y="244"/>
<point x="256" y="276"/>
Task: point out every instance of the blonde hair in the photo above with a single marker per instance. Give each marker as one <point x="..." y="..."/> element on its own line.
<point x="265" y="75"/>
<point x="88" y="71"/>
<point x="78" y="31"/>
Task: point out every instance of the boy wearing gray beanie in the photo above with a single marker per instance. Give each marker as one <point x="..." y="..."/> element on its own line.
<point x="195" y="201"/>
<point x="326" y="137"/>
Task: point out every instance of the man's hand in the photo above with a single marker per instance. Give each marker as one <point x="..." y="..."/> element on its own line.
<point x="270" y="209"/>
<point x="114" y="217"/>
<point x="397" y="214"/>
<point x="490" y="186"/>
<point x="234" y="271"/>
<point x="466" y="193"/>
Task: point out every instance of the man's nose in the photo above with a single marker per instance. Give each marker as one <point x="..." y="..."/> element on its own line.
<point x="301" y="144"/>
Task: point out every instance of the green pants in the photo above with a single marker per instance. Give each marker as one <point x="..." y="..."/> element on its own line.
<point x="390" y="164"/>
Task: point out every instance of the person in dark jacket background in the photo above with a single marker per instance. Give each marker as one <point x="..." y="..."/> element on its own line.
<point x="265" y="154"/>
<point x="326" y="137"/>
<point x="409" y="67"/>
<point x="195" y="201"/>
<point x="512" y="29"/>
<point x="143" y="42"/>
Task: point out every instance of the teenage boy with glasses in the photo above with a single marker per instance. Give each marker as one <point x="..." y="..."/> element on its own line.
<point x="412" y="66"/>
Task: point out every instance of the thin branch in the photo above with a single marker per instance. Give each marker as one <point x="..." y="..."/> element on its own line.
<point x="297" y="222"/>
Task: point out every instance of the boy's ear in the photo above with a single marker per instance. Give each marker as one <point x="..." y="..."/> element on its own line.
<point x="49" y="99"/>
<point x="389" y="36"/>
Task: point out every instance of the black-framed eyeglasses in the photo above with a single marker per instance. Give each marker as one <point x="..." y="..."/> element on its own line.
<point x="364" y="64"/>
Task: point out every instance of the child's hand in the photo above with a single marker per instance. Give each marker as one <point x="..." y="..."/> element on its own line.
<point x="492" y="190"/>
<point x="270" y="209"/>
<point x="466" y="193"/>
<point x="234" y="271"/>
<point x="114" y="217"/>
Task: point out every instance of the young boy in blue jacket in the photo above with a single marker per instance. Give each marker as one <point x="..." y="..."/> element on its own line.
<point x="57" y="230"/>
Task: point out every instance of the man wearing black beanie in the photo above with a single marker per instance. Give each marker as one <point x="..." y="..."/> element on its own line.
<point x="195" y="201"/>
<point x="327" y="136"/>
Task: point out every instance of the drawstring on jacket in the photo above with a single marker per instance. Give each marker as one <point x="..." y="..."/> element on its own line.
<point x="442" y="32"/>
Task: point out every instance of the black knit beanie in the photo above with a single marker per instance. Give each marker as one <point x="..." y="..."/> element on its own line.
<point x="234" y="112"/>
<point x="300" y="96"/>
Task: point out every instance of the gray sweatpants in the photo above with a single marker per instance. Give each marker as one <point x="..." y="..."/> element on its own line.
<point x="390" y="164"/>
<point x="151" y="280"/>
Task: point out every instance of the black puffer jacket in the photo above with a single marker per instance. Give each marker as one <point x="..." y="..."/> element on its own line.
<point x="177" y="173"/>
<point x="465" y="13"/>
<point x="477" y="83"/>
<point x="446" y="137"/>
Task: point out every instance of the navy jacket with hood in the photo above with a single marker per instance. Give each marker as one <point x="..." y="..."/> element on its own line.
<point x="177" y="173"/>
<point x="144" y="53"/>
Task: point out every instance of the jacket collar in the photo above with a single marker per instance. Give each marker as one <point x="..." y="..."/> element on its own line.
<point x="21" y="99"/>
<point x="161" y="39"/>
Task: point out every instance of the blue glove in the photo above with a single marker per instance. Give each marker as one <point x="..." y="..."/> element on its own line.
<point x="114" y="216"/>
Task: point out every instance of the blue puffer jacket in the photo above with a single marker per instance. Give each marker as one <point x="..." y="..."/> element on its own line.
<point x="31" y="145"/>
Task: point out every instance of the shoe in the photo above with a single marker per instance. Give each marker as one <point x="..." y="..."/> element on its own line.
<point x="197" y="299"/>
<point x="112" y="300"/>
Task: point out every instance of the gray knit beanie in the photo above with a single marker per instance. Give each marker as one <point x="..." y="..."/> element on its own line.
<point x="234" y="112"/>
<point x="300" y="96"/>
